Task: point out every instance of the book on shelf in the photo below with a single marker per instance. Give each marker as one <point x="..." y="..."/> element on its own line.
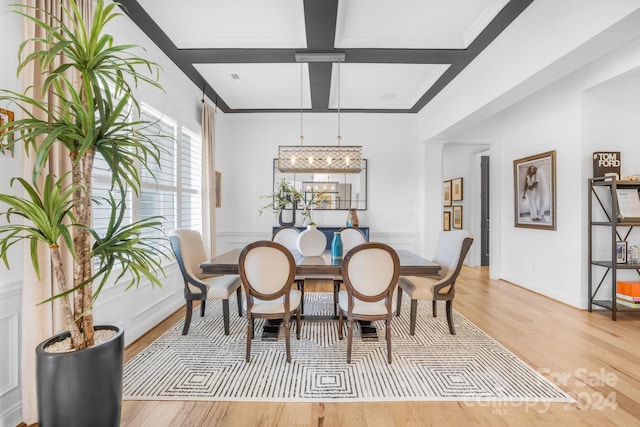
<point x="606" y="162"/>
<point x="628" y="298"/>
<point x="628" y="203"/>
<point x="629" y="288"/>
<point x="627" y="303"/>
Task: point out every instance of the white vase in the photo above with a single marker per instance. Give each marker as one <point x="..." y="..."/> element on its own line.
<point x="312" y="242"/>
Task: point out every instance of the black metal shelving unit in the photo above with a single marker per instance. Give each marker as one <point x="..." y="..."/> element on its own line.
<point x="603" y="197"/>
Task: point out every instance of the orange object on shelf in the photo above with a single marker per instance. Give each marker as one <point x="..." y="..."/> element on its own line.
<point x="631" y="289"/>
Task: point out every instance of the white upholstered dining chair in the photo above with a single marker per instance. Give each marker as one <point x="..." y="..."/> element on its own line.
<point x="351" y="237"/>
<point x="451" y="249"/>
<point x="288" y="237"/>
<point x="370" y="272"/>
<point x="267" y="270"/>
<point x="189" y="251"/>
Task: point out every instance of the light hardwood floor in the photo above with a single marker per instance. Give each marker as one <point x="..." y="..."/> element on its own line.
<point x="587" y="354"/>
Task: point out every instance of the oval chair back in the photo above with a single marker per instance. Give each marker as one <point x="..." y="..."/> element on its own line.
<point x="370" y="272"/>
<point x="351" y="237"/>
<point x="287" y="236"/>
<point x="267" y="270"/>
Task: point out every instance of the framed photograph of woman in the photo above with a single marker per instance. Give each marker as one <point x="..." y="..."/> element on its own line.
<point x="457" y="217"/>
<point x="534" y="187"/>
<point x="447" y="193"/>
<point x="446" y="218"/>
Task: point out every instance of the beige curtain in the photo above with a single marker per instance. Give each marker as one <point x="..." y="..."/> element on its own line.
<point x="208" y="179"/>
<point x="39" y="322"/>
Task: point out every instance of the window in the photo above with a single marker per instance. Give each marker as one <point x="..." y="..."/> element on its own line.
<point x="159" y="185"/>
<point x="190" y="212"/>
<point x="171" y="190"/>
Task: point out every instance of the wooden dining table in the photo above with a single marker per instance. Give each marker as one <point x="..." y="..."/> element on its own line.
<point x="323" y="265"/>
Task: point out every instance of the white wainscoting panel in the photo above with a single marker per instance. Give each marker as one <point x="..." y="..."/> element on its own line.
<point x="408" y="241"/>
<point x="10" y="352"/>
<point x="140" y="309"/>
<point x="232" y="240"/>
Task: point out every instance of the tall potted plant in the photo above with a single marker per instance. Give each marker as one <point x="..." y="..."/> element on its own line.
<point x="89" y="81"/>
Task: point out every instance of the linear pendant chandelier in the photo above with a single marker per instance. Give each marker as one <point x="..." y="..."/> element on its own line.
<point x="320" y="158"/>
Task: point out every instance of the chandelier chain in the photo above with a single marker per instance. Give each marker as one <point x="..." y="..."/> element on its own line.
<point x="301" y="100"/>
<point x="320" y="158"/>
<point x="339" y="135"/>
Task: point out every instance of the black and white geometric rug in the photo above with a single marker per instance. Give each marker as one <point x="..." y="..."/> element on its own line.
<point x="431" y="365"/>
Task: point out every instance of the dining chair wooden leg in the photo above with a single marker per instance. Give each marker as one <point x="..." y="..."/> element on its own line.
<point x="202" y="307"/>
<point x="225" y="315"/>
<point x="298" y="324"/>
<point x="340" y="321"/>
<point x="434" y="308"/>
<point x="414" y="313"/>
<point x="449" y="308"/>
<point x="287" y="339"/>
<point x="388" y="332"/>
<point x="239" y="299"/>
<point x="300" y="285"/>
<point x="249" y="337"/>
<point x="398" y="302"/>
<point x="349" y="339"/>
<point x="187" y="317"/>
<point x="336" y="289"/>
<point x="253" y="327"/>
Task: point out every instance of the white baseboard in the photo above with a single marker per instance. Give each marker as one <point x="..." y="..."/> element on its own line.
<point x="12" y="416"/>
<point x="151" y="317"/>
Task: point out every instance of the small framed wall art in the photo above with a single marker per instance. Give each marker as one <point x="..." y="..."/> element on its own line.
<point x="446" y="221"/>
<point x="621" y="252"/>
<point x="457" y="217"/>
<point x="218" y="189"/>
<point x="446" y="189"/>
<point x="6" y="116"/>
<point x="456" y="189"/>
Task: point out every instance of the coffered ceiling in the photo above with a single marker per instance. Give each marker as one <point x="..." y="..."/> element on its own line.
<point x="397" y="54"/>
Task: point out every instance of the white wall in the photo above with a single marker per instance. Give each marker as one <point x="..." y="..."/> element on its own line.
<point x="10" y="280"/>
<point x="544" y="261"/>
<point x="538" y="48"/>
<point x="611" y="112"/>
<point x="247" y="143"/>
<point x="462" y="160"/>
<point x="594" y="109"/>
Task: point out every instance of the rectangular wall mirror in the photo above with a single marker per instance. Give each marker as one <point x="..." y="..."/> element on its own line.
<point x="338" y="191"/>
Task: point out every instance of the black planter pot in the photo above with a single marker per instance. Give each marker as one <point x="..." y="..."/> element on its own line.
<point x="81" y="388"/>
<point x="283" y="222"/>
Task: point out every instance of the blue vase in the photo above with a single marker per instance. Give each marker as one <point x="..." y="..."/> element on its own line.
<point x="336" y="246"/>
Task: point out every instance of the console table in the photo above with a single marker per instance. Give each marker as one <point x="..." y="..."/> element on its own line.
<point x="328" y="232"/>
